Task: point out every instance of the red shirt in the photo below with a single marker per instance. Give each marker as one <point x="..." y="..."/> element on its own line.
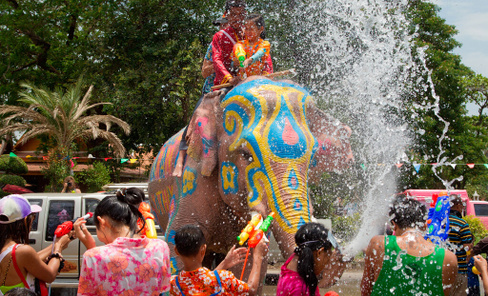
<point x="222" y="47"/>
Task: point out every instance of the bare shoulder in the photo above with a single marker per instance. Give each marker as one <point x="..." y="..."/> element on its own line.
<point x="377" y="242"/>
<point x="449" y="257"/>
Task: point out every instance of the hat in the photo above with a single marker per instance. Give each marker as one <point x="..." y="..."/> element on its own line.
<point x="15" y="207"/>
<point x="220" y="21"/>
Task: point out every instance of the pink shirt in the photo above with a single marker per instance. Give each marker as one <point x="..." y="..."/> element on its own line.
<point x="291" y="283"/>
<point x="127" y="266"/>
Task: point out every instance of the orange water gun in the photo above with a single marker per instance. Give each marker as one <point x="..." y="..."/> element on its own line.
<point x="149" y="229"/>
<point x="249" y="229"/>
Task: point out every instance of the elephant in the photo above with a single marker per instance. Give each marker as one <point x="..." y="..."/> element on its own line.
<point x="253" y="150"/>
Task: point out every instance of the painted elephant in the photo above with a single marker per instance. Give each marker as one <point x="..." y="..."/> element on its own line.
<point x="253" y="150"/>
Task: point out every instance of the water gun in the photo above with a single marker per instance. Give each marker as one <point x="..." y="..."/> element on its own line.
<point x="438" y="219"/>
<point x="255" y="235"/>
<point x="240" y="53"/>
<point x="149" y="229"/>
<point x="258" y="234"/>
<point x="67" y="226"/>
<point x="250" y="228"/>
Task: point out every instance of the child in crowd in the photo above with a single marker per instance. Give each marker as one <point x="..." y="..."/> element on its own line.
<point x="314" y="254"/>
<point x="128" y="264"/>
<point x="197" y="280"/>
<point x="256" y="49"/>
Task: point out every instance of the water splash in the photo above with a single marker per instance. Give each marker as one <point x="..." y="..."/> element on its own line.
<point x="359" y="64"/>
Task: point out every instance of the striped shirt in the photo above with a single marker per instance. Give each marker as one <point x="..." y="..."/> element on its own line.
<point x="459" y="234"/>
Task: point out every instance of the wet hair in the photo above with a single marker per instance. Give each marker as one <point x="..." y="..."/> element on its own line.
<point x="407" y="212"/>
<point x="188" y="240"/>
<point x="20" y="292"/>
<point x="310" y="237"/>
<point x="456" y="200"/>
<point x="17" y="231"/>
<point x="234" y="3"/>
<point x="122" y="209"/>
<point x="259" y="21"/>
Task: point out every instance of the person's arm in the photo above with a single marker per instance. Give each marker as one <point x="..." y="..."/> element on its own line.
<point x="207" y="68"/>
<point x="218" y="62"/>
<point x="373" y="262"/>
<point x="65" y="187"/>
<point x="259" y="253"/>
<point x="482" y="266"/>
<point x="83" y="234"/>
<point x="234" y="257"/>
<point x="61" y="244"/>
<point x="481" y="247"/>
<point x="449" y="271"/>
<point x="28" y="259"/>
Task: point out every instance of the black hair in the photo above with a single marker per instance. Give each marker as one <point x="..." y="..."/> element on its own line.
<point x="17" y="231"/>
<point x="188" y="240"/>
<point x="122" y="209"/>
<point x="310" y="237"/>
<point x="234" y="3"/>
<point x="20" y="292"/>
<point x="407" y="212"/>
<point x="259" y="21"/>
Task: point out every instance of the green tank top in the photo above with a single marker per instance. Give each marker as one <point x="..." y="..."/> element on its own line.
<point x="404" y="274"/>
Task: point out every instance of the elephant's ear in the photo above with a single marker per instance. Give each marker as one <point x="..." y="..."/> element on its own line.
<point x="334" y="149"/>
<point x="202" y="134"/>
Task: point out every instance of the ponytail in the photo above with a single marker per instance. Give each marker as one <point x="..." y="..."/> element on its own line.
<point x="123" y="208"/>
<point x="309" y="238"/>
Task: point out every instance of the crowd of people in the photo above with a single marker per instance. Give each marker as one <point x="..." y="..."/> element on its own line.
<point x="129" y="263"/>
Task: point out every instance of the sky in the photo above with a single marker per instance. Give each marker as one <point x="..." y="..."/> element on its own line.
<point x="470" y="17"/>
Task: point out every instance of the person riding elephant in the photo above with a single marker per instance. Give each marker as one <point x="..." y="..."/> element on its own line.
<point x="254" y="150"/>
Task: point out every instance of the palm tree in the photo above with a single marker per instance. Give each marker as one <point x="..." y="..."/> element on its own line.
<point x="61" y="115"/>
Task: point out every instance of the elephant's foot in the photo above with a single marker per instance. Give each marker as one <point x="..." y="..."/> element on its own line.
<point x="178" y="171"/>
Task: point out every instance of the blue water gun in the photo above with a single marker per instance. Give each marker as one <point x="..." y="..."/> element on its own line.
<point x="438" y="219"/>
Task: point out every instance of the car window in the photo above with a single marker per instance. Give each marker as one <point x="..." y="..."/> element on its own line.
<point x="90" y="205"/>
<point x="59" y="211"/>
<point x="481" y="209"/>
<point x="37" y="202"/>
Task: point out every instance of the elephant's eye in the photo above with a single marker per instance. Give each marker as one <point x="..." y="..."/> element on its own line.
<point x="247" y="156"/>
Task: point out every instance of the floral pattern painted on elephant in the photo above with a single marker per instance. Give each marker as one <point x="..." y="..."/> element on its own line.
<point x="277" y="136"/>
<point x="189" y="183"/>
<point x="228" y="174"/>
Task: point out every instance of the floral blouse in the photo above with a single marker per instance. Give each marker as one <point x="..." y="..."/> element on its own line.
<point x="204" y="282"/>
<point x="127" y="266"/>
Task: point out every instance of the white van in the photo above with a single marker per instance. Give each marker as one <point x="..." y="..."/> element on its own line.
<point x="56" y="209"/>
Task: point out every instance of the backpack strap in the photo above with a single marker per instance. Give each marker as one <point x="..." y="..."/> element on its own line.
<point x="179" y="287"/>
<point x="218" y="281"/>
<point x="228" y="36"/>
<point x="17" y="269"/>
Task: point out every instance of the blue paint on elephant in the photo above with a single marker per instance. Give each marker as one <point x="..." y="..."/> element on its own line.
<point x="297" y="206"/>
<point x="174" y="266"/>
<point x="170" y="238"/>
<point x="286" y="139"/>
<point x="228" y="175"/>
<point x="293" y="180"/>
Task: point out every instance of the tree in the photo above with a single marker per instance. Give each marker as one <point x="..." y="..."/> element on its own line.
<point x="431" y="143"/>
<point x="476" y="91"/>
<point x="61" y="115"/>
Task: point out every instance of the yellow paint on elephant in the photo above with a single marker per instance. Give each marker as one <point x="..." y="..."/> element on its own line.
<point x="255" y="127"/>
<point x="189" y="181"/>
<point x="228" y="174"/>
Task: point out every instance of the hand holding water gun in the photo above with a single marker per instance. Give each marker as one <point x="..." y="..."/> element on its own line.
<point x="149" y="229"/>
<point x="67" y="226"/>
